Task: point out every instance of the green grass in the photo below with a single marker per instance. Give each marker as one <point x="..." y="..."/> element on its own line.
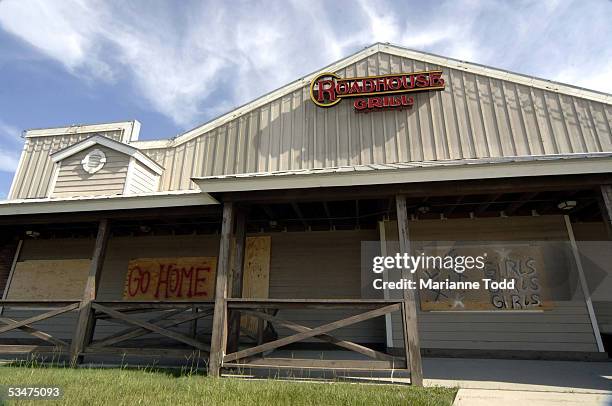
<point x="89" y="386"/>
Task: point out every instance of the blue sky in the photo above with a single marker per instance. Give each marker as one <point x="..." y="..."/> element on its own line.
<point x="175" y="64"/>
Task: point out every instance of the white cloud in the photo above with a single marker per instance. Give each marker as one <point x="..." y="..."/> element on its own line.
<point x="199" y="60"/>
<point x="10" y="147"/>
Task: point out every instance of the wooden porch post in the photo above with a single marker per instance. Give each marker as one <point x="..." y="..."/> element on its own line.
<point x="219" y="327"/>
<point x="85" y="323"/>
<point x="412" y="345"/>
<point x="237" y="278"/>
<point x="606" y="208"/>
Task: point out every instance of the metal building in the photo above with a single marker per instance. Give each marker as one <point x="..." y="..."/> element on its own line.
<point x="246" y="240"/>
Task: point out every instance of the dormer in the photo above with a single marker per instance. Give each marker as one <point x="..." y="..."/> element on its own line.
<point x="101" y="166"/>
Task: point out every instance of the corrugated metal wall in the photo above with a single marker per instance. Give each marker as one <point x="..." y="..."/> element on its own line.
<point x="474" y="117"/>
<point x="36" y="168"/>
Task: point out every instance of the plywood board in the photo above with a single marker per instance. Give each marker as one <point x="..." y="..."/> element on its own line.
<point x="179" y="278"/>
<point x="49" y="279"/>
<point x="256" y="275"/>
<point x="257" y="267"/>
<point x="522" y="263"/>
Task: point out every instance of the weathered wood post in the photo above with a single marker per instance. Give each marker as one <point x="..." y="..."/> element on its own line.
<point x="412" y="345"/>
<point x="237" y="278"/>
<point x="219" y="327"/>
<point x="85" y="323"/>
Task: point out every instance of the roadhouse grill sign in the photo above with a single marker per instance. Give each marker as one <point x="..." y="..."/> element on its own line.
<point x="374" y="92"/>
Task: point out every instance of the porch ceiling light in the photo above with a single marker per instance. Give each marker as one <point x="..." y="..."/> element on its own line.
<point x="567" y="205"/>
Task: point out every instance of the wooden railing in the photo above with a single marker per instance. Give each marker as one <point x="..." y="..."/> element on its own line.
<point x="47" y="309"/>
<point x="167" y="315"/>
<point x="267" y="309"/>
<point x="161" y="318"/>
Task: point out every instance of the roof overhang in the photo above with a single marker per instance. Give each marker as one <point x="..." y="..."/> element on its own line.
<point x="101" y="203"/>
<point x="411" y="172"/>
<point x="109" y="143"/>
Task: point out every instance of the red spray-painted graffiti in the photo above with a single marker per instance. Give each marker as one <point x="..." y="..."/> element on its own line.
<point x="170" y="278"/>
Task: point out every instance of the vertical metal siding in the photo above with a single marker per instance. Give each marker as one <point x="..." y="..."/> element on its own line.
<point x="36" y="168"/>
<point x="474" y="117"/>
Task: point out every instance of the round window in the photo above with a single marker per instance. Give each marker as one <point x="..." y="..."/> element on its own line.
<point x="94" y="161"/>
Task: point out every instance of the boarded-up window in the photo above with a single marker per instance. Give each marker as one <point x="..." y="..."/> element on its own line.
<point x="49" y="279"/>
<point x="181" y="278"/>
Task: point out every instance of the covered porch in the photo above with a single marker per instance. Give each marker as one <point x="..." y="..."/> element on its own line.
<point x="316" y="316"/>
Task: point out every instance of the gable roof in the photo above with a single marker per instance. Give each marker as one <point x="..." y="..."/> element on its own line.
<point x="391" y="49"/>
<point x="108" y="143"/>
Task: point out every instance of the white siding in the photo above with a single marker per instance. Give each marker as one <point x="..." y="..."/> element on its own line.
<point x="565" y="327"/>
<point x="72" y="179"/>
<point x="141" y="179"/>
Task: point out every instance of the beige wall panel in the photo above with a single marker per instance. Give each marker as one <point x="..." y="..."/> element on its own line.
<point x="565" y="327"/>
<point x="571" y="124"/>
<point x="558" y="124"/>
<point x="296" y="156"/>
<point x="263" y="143"/>
<point x="602" y="123"/>
<point x="456" y="83"/>
<point x="529" y="120"/>
<point x="252" y="141"/>
<point x="275" y="136"/>
<point x="549" y="142"/>
<point x="221" y="150"/>
<point x="36" y="169"/>
<point x="72" y="179"/>
<point x="142" y="179"/>
<point x="230" y="162"/>
<point x="487" y="113"/>
<point x="475" y="115"/>
<point x="321" y="265"/>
